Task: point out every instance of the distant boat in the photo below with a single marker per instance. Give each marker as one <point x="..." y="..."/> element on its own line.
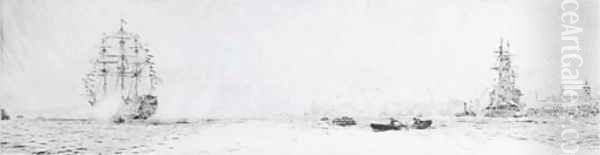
<point x="393" y="125"/>
<point x="4" y="115"/>
<point x="466" y="111"/>
<point x="124" y="67"/>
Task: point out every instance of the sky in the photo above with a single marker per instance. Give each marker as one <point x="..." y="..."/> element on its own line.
<point x="227" y="58"/>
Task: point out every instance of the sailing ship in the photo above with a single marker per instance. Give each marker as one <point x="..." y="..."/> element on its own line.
<point x="504" y="95"/>
<point x="125" y="68"/>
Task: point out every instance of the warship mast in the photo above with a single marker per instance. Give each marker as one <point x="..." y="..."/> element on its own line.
<point x="587" y="92"/>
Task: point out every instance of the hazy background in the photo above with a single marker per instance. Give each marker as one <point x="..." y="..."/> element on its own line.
<point x="264" y="57"/>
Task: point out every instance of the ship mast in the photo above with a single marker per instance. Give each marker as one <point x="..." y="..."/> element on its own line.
<point x="104" y="71"/>
<point x="137" y="71"/>
<point x="122" y="56"/>
<point x="587" y="92"/>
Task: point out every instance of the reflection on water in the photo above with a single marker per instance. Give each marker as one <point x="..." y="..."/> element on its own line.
<point x="81" y="136"/>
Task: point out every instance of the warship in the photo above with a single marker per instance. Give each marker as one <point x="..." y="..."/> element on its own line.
<point x="587" y="105"/>
<point x="125" y="68"/>
<point x="504" y="95"/>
